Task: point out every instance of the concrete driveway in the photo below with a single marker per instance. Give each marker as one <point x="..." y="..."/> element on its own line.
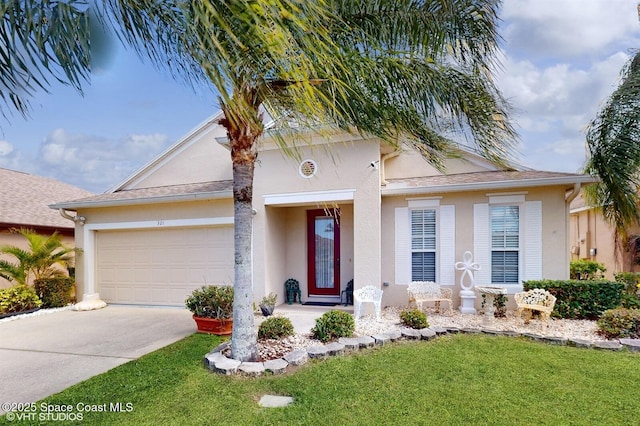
<point x="45" y="354"/>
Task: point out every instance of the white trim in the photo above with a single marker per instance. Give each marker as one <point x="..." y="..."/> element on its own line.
<point x="314" y="167"/>
<point x="423" y="203"/>
<point x="309" y="197"/>
<point x="402" y="246"/>
<point x="90" y="229"/>
<point x="481" y="243"/>
<point x="447" y="245"/>
<point x="498" y="194"/>
<point x="506" y="199"/>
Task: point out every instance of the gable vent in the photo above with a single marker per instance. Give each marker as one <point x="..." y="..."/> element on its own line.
<point x="308" y="168"/>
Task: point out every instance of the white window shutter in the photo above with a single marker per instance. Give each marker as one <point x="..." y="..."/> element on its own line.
<point x="532" y="240"/>
<point x="403" y="246"/>
<point x="481" y="241"/>
<point x="447" y="245"/>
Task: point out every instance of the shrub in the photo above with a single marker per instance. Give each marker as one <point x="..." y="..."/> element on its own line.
<point x="577" y="299"/>
<point x="414" y="318"/>
<point x="211" y="301"/>
<point x="631" y="295"/>
<point x="54" y="292"/>
<point x="620" y="323"/>
<point x="585" y="270"/>
<point x="499" y="305"/>
<point x="17" y="299"/>
<point x="333" y="324"/>
<point x="275" y="328"/>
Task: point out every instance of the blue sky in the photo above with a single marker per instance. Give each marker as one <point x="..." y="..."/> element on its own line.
<point x="561" y="59"/>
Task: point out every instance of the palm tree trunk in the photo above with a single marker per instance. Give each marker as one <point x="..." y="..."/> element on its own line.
<point x="242" y="136"/>
<point x="244" y="338"/>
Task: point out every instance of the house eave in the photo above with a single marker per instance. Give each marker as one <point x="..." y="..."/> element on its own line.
<point x="181" y="198"/>
<point x="481" y="186"/>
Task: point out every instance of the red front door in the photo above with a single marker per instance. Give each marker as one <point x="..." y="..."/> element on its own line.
<point x="323" y="240"/>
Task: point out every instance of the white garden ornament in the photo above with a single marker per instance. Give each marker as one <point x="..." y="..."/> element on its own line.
<point x="467" y="296"/>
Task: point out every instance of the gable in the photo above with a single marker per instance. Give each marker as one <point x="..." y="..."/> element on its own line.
<point x="196" y="158"/>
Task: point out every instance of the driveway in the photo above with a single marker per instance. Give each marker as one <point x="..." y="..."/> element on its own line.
<point x="45" y="354"/>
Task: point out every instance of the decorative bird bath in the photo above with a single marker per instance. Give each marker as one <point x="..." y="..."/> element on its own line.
<point x="467" y="297"/>
<point x="490" y="293"/>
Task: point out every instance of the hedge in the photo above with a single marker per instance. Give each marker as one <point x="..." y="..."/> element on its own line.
<point x="580" y="299"/>
<point x="55" y="292"/>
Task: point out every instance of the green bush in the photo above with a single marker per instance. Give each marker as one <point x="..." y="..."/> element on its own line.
<point x="499" y="305"/>
<point x="333" y="324"/>
<point x="585" y="270"/>
<point x="17" y="299"/>
<point x="620" y="323"/>
<point x="414" y="318"/>
<point x="54" y="292"/>
<point x="576" y="299"/>
<point x="631" y="295"/>
<point x="275" y="328"/>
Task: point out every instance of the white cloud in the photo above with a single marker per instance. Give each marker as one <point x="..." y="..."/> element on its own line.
<point x="95" y="162"/>
<point x="569" y="28"/>
<point x="5" y="148"/>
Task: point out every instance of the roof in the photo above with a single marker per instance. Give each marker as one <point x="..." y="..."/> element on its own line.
<point x="156" y="195"/>
<point x="25" y="199"/>
<point x="482" y="181"/>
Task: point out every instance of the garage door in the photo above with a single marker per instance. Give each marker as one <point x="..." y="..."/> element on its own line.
<point x="161" y="267"/>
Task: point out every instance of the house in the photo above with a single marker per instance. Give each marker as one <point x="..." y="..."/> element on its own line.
<point x="593" y="238"/>
<point x="25" y="199"/>
<point x="345" y="207"/>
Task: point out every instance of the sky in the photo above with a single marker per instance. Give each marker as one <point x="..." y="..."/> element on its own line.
<point x="560" y="59"/>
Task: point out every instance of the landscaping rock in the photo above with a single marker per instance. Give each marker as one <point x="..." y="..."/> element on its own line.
<point x="394" y="335"/>
<point x="608" y="345"/>
<point x="226" y="366"/>
<point x="581" y="343"/>
<point x="491" y="332"/>
<point x="366" y="341"/>
<point x="221" y="347"/>
<point x="211" y="358"/>
<point x="253" y="369"/>
<point x="469" y="331"/>
<point x="632" y="344"/>
<point x="427" y="334"/>
<point x="555" y="340"/>
<point x="335" y="348"/>
<point x="454" y="330"/>
<point x="297" y="357"/>
<point x="317" y="352"/>
<point x="439" y="330"/>
<point x="411" y="333"/>
<point x="276" y="366"/>
<point x="350" y="344"/>
<point x="381" y="339"/>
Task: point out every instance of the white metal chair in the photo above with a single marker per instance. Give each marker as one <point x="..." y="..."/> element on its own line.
<point x="367" y="294"/>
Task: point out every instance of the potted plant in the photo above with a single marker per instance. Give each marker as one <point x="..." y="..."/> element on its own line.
<point x="268" y="304"/>
<point x="212" y="308"/>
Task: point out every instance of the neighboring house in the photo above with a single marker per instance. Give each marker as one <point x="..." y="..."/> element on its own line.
<point x="593" y="238"/>
<point x="348" y="208"/>
<point x="25" y="200"/>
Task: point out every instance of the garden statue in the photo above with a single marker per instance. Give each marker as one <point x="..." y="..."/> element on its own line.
<point x="292" y="288"/>
<point x="467" y="296"/>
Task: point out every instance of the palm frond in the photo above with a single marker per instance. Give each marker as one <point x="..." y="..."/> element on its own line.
<point x="613" y="139"/>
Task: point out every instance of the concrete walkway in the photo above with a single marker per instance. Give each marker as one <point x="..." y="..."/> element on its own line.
<point x="44" y="354"/>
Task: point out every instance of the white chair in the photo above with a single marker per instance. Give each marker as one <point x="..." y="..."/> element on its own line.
<point x="367" y="294"/>
<point x="429" y="291"/>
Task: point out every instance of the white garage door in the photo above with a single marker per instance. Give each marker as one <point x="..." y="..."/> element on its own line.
<point x="162" y="267"/>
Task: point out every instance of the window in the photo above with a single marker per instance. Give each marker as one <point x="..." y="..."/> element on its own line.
<point x="423" y="245"/>
<point x="505" y="244"/>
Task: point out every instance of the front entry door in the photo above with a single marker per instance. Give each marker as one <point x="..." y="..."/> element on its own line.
<point x="323" y="240"/>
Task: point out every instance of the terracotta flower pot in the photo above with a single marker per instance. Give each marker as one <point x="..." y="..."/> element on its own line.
<point x="220" y="327"/>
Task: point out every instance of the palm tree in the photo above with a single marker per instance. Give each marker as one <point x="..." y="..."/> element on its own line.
<point x="613" y="142"/>
<point x="42" y="41"/>
<point x="38" y="260"/>
<point x="406" y="71"/>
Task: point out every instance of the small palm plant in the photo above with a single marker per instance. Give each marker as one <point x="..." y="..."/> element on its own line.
<point x="39" y="260"/>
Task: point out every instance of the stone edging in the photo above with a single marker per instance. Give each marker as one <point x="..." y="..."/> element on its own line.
<point x="217" y="362"/>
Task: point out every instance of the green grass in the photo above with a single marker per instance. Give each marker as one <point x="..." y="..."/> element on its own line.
<point x="460" y="379"/>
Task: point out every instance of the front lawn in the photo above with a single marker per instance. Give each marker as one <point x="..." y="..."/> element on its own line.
<point x="458" y="379"/>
